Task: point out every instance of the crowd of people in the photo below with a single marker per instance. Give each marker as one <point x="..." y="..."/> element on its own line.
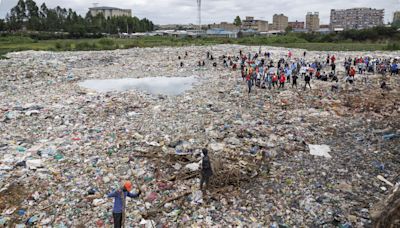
<point x="264" y="71"/>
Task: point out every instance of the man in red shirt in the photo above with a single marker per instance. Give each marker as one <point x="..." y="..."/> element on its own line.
<point x="274" y="80"/>
<point x="249" y="82"/>
<point x="333" y="59"/>
<point x="282" y="81"/>
<point x="352" y="73"/>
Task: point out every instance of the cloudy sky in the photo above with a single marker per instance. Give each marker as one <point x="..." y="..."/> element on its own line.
<point x="184" y="11"/>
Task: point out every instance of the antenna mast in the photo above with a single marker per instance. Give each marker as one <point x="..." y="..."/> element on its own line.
<point x="199" y="13"/>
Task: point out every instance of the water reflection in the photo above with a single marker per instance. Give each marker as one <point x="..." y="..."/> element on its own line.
<point x="172" y="86"/>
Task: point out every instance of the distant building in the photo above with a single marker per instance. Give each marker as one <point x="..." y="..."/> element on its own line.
<point x="296" y="25"/>
<point x="177" y="27"/>
<point x="225" y="26"/>
<point x="109" y="12"/>
<point x="257" y="25"/>
<point x="312" y="22"/>
<point x="300" y="30"/>
<point x="396" y="16"/>
<point x="280" y="22"/>
<point x="272" y="33"/>
<point x="248" y="33"/>
<point x="324" y="26"/>
<point x="356" y="18"/>
<point x="324" y="30"/>
<point x="217" y="32"/>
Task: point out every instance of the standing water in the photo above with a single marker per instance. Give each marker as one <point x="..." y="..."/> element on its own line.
<point x="172" y="86"/>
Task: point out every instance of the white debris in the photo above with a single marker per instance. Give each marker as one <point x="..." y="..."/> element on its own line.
<point x="193" y="166"/>
<point x="320" y="150"/>
<point x="34" y="164"/>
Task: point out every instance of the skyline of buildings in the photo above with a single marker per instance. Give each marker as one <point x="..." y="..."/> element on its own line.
<point x="340" y="19"/>
<point x="354" y="18"/>
<point x="343" y="19"/>
<point x="159" y="11"/>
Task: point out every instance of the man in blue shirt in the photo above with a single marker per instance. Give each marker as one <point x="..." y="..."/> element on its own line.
<point x="119" y="202"/>
<point x="394" y="69"/>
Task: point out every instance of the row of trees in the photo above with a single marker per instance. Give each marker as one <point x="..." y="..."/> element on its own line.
<point x="372" y="35"/>
<point x="27" y="15"/>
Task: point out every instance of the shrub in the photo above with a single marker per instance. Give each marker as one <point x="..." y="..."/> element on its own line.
<point x="84" y="46"/>
<point x="106" y="42"/>
<point x="58" y="46"/>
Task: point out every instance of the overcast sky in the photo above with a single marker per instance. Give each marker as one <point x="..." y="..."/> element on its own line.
<point x="184" y="11"/>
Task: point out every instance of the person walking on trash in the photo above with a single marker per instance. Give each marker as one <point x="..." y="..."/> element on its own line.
<point x="206" y="170"/>
<point x="120" y="203"/>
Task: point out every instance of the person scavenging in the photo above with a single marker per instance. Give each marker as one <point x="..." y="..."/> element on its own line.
<point x="119" y="208"/>
<point x="206" y="170"/>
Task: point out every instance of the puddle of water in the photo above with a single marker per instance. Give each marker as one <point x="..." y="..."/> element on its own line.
<point x="171" y="86"/>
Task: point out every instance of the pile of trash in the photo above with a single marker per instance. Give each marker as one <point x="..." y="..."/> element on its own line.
<point x="387" y="212"/>
<point x="281" y="158"/>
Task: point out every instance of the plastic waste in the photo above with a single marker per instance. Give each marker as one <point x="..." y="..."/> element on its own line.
<point x="320" y="150"/>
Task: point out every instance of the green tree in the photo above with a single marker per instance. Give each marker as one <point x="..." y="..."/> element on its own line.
<point x="32" y="12"/>
<point x="27" y="13"/>
<point x="396" y="24"/>
<point x="20" y="10"/>
<point x="2" y="25"/>
<point x="17" y="16"/>
<point x="237" y="21"/>
<point x="43" y="17"/>
<point x="288" y="29"/>
<point x="12" y="22"/>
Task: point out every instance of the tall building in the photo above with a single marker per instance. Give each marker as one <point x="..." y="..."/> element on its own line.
<point x="396" y="16"/>
<point x="258" y="25"/>
<point x="109" y="12"/>
<point x="312" y="22"/>
<point x="296" y="25"/>
<point x="356" y="18"/>
<point x="280" y="22"/>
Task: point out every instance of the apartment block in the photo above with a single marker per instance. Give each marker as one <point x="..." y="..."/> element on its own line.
<point x="280" y="22"/>
<point x="296" y="25"/>
<point x="356" y="18"/>
<point x="257" y="25"/>
<point x="109" y="12"/>
<point x="312" y="22"/>
<point x="396" y="16"/>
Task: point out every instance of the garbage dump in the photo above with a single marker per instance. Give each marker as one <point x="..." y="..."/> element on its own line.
<point x="386" y="213"/>
<point x="288" y="157"/>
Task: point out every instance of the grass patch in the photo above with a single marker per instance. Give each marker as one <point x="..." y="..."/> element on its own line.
<point x="19" y="43"/>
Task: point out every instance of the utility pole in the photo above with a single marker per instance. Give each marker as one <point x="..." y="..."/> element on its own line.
<point x="199" y="13"/>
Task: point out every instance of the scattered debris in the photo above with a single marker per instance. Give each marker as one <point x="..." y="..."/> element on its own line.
<point x="320" y="150"/>
<point x="64" y="147"/>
